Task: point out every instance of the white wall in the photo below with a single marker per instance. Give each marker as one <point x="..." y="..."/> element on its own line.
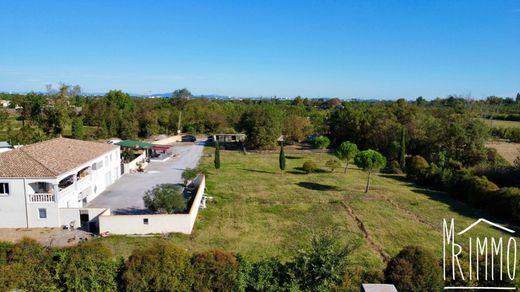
<point x="133" y="164"/>
<point x="12" y="207"/>
<point x="157" y="223"/>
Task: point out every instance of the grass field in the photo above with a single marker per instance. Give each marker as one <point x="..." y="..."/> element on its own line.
<point x="502" y="123"/>
<point x="259" y="212"/>
<point x="508" y="150"/>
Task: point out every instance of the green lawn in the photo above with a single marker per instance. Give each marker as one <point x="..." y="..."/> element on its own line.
<point x="259" y="212"/>
<point x="502" y="123"/>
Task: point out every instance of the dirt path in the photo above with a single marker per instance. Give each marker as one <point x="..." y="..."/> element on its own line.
<point x="376" y="247"/>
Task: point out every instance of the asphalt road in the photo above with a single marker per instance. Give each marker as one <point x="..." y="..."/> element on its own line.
<point x="125" y="196"/>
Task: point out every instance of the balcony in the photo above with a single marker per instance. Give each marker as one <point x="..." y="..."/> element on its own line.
<point x="83" y="182"/>
<point x="42" y="198"/>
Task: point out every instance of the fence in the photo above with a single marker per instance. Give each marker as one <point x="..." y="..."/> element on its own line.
<point x="154" y="223"/>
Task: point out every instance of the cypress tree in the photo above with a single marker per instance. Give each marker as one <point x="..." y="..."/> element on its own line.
<point x="217" y="155"/>
<point x="281" y="159"/>
<point x="402" y="158"/>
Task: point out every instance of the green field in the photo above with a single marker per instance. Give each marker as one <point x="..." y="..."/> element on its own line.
<point x="259" y="212"/>
<point x="502" y="123"/>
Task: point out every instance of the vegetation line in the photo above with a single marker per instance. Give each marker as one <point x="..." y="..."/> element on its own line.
<point x="380" y="251"/>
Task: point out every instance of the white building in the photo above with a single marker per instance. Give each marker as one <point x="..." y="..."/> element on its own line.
<point x="46" y="184"/>
<point x="4" y="103"/>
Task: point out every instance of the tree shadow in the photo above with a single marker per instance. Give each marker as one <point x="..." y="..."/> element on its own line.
<point x="132" y="211"/>
<point x="302" y="171"/>
<point x="259" y="171"/>
<point x="317" y="186"/>
<point x="293" y="157"/>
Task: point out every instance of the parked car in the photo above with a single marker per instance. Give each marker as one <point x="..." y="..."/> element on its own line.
<point x="188" y="138"/>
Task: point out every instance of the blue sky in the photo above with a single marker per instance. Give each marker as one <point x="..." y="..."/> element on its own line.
<point x="366" y="49"/>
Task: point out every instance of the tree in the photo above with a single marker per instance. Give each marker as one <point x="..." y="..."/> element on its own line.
<point x="78" y="131"/>
<point x="214" y="271"/>
<point x="281" y="158"/>
<point x="182" y="93"/>
<point x="165" y="199"/>
<point x="370" y="161"/>
<point x="4" y="115"/>
<point x="323" y="266"/>
<point x="189" y="174"/>
<point x="262" y="125"/>
<point x="297" y="128"/>
<point x="414" y="269"/>
<point x="333" y="164"/>
<point x="346" y="152"/>
<point x="402" y="156"/>
<point x="321" y="143"/>
<point x="216" y="162"/>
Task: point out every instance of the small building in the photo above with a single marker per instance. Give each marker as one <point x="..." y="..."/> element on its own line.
<point x="378" y="288"/>
<point x="4" y="103"/>
<point x="227" y="138"/>
<point x="47" y="183"/>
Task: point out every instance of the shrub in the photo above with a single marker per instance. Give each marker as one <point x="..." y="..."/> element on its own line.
<point x="189" y="174"/>
<point x="214" y="271"/>
<point x="333" y="164"/>
<point x="505" y="201"/>
<point x="162" y="267"/>
<point x="394" y="167"/>
<point x="414" y="269"/>
<point x="87" y="267"/>
<point x="309" y="166"/>
<point x="323" y="266"/>
<point x="165" y="199"/>
<point x="416" y="166"/>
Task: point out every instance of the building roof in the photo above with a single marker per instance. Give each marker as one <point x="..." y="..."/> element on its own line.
<point x="378" y="288"/>
<point x="4" y="144"/>
<point x="50" y="158"/>
<point x="134" y="144"/>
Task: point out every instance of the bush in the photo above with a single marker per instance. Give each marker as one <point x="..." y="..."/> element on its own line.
<point x="333" y="164"/>
<point x="416" y="166"/>
<point x="165" y="199"/>
<point x="394" y="167"/>
<point x="505" y="201"/>
<point x="309" y="166"/>
<point x="414" y="269"/>
<point x="162" y="267"/>
<point x="87" y="267"/>
<point x="214" y="271"/>
<point x="189" y="174"/>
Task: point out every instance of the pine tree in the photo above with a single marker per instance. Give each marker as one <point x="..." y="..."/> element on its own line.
<point x="78" y="131"/>
<point x="217" y="155"/>
<point x="281" y="159"/>
<point x="402" y="158"/>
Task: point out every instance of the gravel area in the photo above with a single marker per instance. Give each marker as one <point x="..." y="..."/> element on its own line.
<point x="126" y="195"/>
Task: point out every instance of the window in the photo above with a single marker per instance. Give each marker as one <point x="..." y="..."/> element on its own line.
<point x="145" y="221"/>
<point x="4" y="189"/>
<point x="42" y="213"/>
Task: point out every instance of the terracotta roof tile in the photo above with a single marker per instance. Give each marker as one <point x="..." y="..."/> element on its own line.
<point x="50" y="158"/>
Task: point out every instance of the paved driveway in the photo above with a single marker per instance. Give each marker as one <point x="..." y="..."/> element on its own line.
<point x="125" y="196"/>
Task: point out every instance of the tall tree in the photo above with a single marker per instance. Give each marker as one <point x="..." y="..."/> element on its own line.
<point x="402" y="156"/>
<point x="321" y="142"/>
<point x="346" y="152"/>
<point x="216" y="162"/>
<point x="182" y="93"/>
<point x="281" y="159"/>
<point x="370" y="161"/>
<point x="78" y="131"/>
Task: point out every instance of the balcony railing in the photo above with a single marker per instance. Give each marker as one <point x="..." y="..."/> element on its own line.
<point x="83" y="183"/>
<point x="42" y="198"/>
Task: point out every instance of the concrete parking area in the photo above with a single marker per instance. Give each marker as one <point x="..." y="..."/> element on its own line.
<point x="125" y="196"/>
